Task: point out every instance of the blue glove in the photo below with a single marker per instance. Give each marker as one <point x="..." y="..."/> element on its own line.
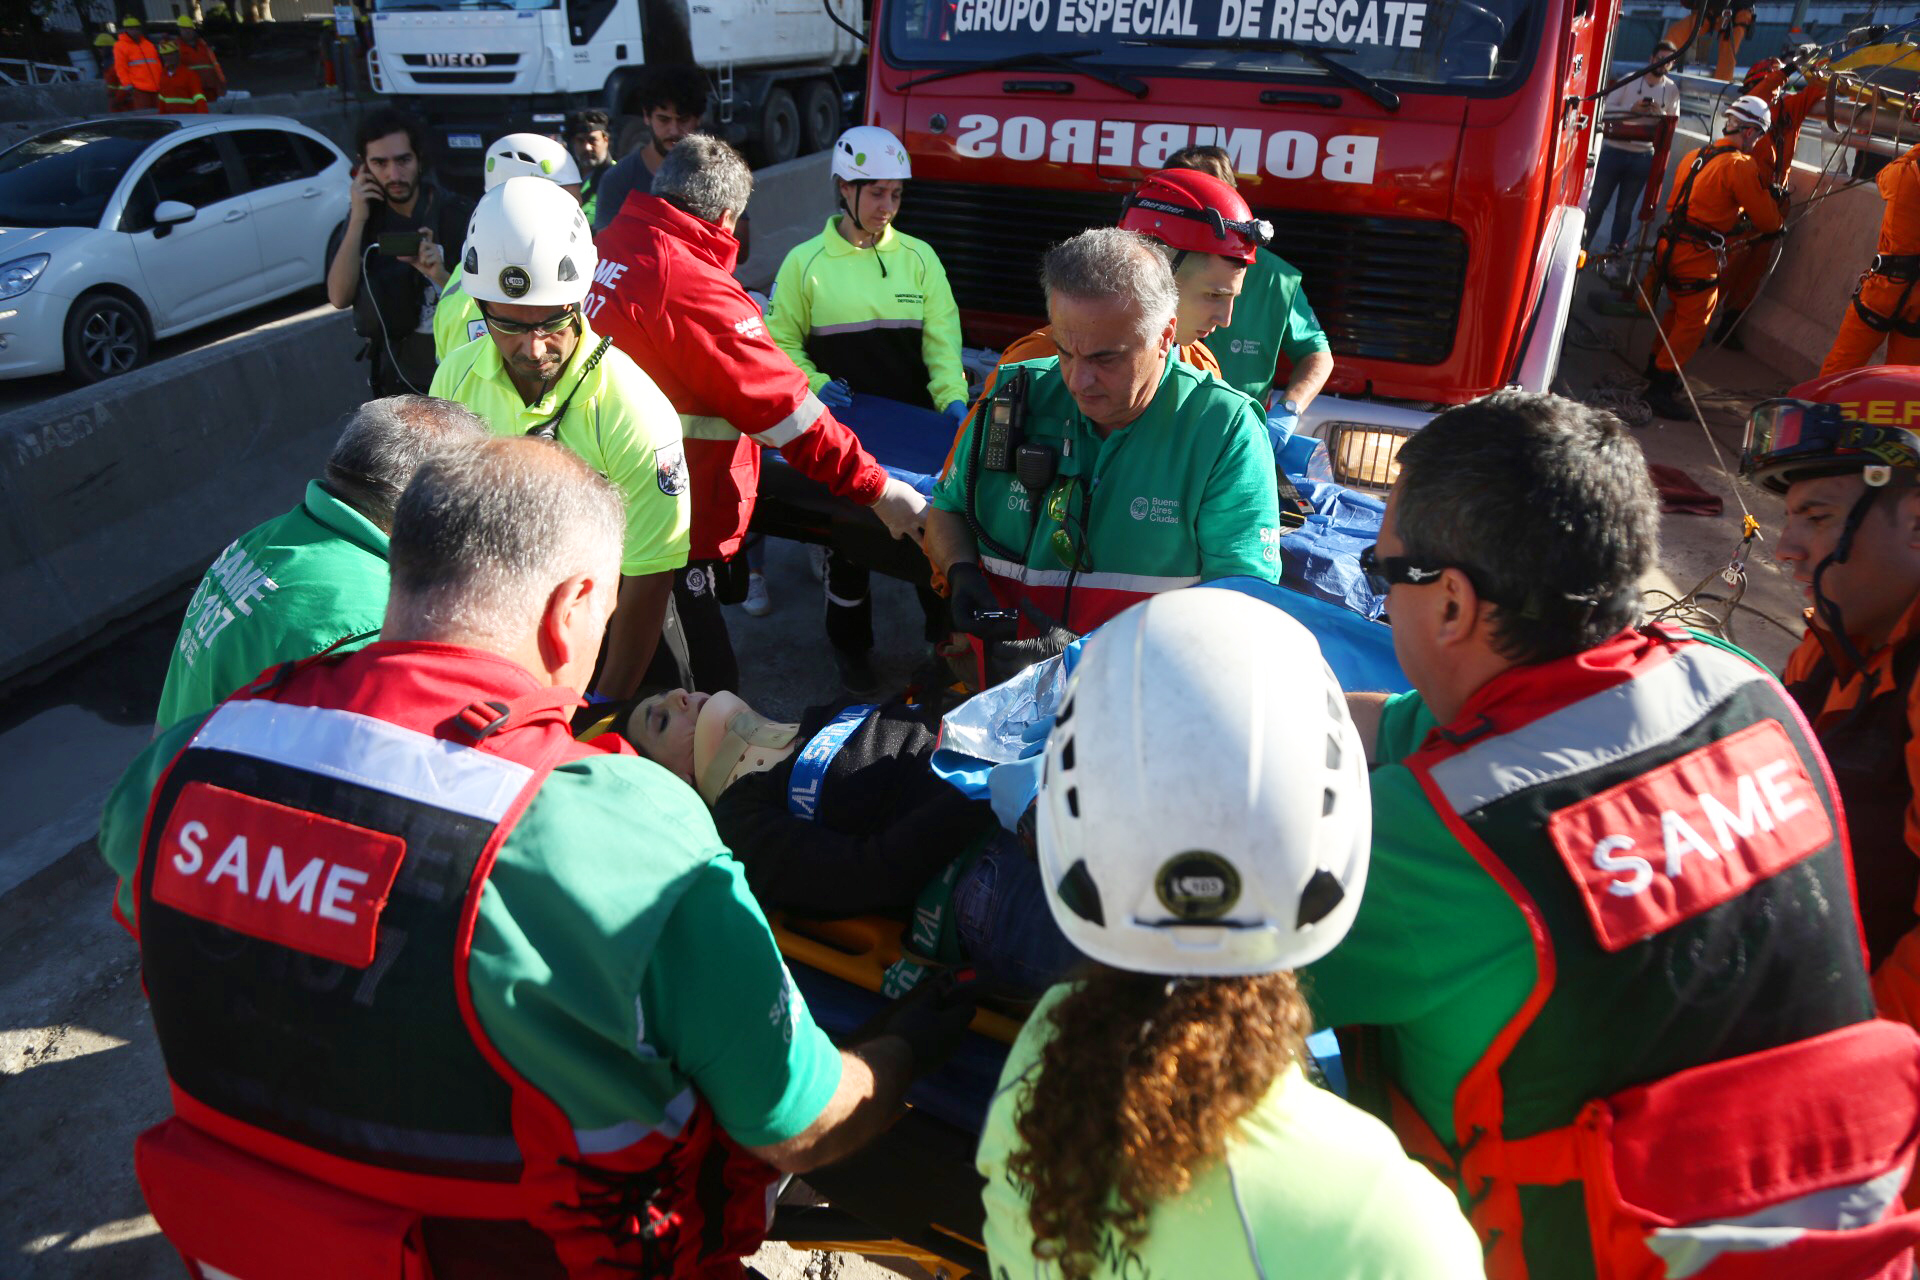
<point x="595" y="699"/>
<point x="837" y="395"/>
<point x="957" y="411"/>
<point x="1281" y="422"/>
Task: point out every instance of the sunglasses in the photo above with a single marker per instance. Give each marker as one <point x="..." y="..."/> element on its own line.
<point x="559" y="322"/>
<point x="1070" y="539"/>
<point x="1389" y="571"/>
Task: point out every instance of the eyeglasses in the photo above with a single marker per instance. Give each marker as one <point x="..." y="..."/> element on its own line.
<point x="1388" y="571"/>
<point x="1070" y="539"/>
<point x="559" y="322"/>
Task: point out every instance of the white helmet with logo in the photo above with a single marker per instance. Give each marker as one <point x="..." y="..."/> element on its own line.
<point x="868" y="153"/>
<point x="530" y="155"/>
<point x="528" y="244"/>
<point x="1749" y="112"/>
<point x="1204" y="809"/>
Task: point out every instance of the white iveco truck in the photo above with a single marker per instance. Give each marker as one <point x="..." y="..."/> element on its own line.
<point x="475" y="69"/>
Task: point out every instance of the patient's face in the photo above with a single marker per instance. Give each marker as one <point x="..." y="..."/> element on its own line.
<point x="662" y="727"/>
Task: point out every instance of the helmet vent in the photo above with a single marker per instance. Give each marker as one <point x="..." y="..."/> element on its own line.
<point x="1073" y="801"/>
<point x="566" y="271"/>
<point x="1326" y="802"/>
<point x="1080" y="895"/>
<point x="1066" y="754"/>
<point x="1333" y="705"/>
<point x="1317" y="901"/>
<point x="1333" y="752"/>
<point x="1066" y="712"/>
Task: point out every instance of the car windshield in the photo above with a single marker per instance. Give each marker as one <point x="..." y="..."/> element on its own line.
<point x="440" y="6"/>
<point x="65" y="178"/>
<point x="1411" y="43"/>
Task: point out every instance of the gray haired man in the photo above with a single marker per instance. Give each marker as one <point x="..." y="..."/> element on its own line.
<point x="415" y="955"/>
<point x="315" y="578"/>
<point x="666" y="295"/>
<point x="1138" y="474"/>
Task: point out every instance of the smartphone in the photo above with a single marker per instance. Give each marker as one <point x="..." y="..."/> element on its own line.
<point x="399" y="244"/>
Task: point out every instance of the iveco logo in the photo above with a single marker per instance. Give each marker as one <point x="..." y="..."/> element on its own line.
<point x="456" y="59"/>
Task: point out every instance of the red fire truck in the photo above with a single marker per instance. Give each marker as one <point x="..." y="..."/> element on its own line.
<point x="1424" y="162"/>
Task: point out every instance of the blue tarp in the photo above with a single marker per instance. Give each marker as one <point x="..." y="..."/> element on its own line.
<point x="910" y="443"/>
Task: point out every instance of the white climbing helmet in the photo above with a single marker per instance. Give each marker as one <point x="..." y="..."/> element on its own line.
<point x="868" y="153"/>
<point x="530" y="155"/>
<point x="528" y="244"/>
<point x="1750" y="112"/>
<point x="1204" y="809"/>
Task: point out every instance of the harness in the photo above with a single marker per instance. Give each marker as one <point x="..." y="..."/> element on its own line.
<point x="1898" y="267"/>
<point x="1679" y="227"/>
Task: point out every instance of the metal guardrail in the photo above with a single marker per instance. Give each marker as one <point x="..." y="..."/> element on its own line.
<point x="18" y="71"/>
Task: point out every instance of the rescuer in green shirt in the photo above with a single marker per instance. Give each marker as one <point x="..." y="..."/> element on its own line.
<point x="616" y="969"/>
<point x="316" y="577"/>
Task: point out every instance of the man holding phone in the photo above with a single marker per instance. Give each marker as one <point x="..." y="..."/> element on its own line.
<point x="392" y="256"/>
<point x="1626" y="155"/>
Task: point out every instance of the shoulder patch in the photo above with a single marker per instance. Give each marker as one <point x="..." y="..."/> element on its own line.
<point x="670" y="468"/>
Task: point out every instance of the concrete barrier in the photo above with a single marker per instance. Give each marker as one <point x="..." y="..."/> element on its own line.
<point x="790" y="203"/>
<point x="118" y="494"/>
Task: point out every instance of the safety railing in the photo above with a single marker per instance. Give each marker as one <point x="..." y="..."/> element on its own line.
<point x="18" y="71"/>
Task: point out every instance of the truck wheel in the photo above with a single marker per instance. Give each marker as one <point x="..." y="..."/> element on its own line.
<point x="105" y="335"/>
<point x="819" y="115"/>
<point x="779" y="128"/>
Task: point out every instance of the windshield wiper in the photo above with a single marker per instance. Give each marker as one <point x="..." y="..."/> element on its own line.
<point x="1322" y="58"/>
<point x="1067" y="60"/>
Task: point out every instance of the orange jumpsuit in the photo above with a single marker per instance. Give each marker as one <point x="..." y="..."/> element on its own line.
<point x="1883" y="816"/>
<point x="137" y="64"/>
<point x="1747" y="264"/>
<point x="1711" y="199"/>
<point x="1733" y="29"/>
<point x="197" y="56"/>
<point x="1881" y="291"/>
<point x="180" y="93"/>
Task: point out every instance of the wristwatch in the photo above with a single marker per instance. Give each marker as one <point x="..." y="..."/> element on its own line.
<point x="1290" y="407"/>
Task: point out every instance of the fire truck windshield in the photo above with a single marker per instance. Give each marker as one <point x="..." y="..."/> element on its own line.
<point x="1413" y="43"/>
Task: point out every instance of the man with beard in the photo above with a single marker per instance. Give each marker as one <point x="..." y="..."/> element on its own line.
<point x="393" y="294"/>
<point x="673" y="102"/>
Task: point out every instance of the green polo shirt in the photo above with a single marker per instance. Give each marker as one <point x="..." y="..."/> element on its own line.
<point x="1183" y="494"/>
<point x="615" y="418"/>
<point x="301" y="583"/>
<point x="456" y="317"/>
<point x="1270" y="319"/>
<point x="614" y="1032"/>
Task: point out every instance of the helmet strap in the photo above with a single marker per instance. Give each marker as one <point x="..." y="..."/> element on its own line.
<point x="1842" y="549"/>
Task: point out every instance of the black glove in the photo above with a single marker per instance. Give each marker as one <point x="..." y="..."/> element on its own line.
<point x="974" y="607"/>
<point x="932" y="1018"/>
<point x="1008" y="658"/>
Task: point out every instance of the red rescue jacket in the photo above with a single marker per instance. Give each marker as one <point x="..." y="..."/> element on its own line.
<point x="336" y="1097"/>
<point x="665" y="294"/>
<point x="1697" y="1084"/>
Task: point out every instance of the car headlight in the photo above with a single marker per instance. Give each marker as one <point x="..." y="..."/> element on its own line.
<point x="17" y="276"/>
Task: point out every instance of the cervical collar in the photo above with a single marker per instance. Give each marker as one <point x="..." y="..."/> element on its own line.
<point x="731" y="740"/>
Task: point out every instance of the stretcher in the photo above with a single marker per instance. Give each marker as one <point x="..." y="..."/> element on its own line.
<point x="914" y="1194"/>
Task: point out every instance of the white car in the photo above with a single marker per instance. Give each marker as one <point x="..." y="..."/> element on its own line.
<point x="119" y="231"/>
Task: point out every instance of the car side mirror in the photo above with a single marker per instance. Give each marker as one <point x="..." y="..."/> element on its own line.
<point x="168" y="213"/>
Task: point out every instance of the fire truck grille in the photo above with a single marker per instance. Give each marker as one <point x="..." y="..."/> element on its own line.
<point x="1383" y="288"/>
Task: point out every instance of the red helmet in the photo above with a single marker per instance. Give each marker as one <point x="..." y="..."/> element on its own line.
<point x="1196" y="213"/>
<point x="1758" y="72"/>
<point x="1861" y="420"/>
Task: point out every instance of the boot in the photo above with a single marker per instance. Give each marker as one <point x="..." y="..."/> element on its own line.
<point x="1664" y="398"/>
<point x="1726" y="334"/>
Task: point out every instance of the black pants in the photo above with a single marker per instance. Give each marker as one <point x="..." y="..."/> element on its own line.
<point x="850" y="606"/>
<point x="697" y="591"/>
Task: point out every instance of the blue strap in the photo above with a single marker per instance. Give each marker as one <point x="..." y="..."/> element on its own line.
<point x="810" y="766"/>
